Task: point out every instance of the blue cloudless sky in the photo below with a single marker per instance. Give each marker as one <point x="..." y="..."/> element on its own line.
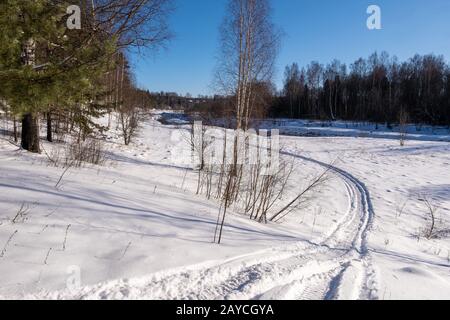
<point x="319" y="30"/>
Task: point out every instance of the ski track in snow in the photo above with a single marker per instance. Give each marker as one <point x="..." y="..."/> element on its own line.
<point x="338" y="267"/>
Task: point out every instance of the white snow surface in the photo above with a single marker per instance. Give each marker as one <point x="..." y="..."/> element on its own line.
<point x="135" y="229"/>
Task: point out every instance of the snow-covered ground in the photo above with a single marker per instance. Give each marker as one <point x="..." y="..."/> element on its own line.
<point x="135" y="229"/>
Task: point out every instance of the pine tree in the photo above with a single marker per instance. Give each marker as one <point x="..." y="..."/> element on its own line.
<point x="44" y="65"/>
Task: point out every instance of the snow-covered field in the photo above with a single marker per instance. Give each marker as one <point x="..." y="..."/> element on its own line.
<point x="135" y="229"/>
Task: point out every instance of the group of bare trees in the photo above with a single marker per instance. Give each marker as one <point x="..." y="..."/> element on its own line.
<point x="126" y="99"/>
<point x="380" y="89"/>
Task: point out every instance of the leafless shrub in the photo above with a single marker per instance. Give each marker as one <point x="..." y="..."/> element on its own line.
<point x="43" y="229"/>
<point x="125" y="251"/>
<point x="304" y="196"/>
<point x="88" y="151"/>
<point x="403" y="119"/>
<point x="47" y="255"/>
<point x="184" y="179"/>
<point x="77" y="153"/>
<point x="225" y="201"/>
<point x="254" y="187"/>
<point x="400" y="208"/>
<point x="65" y="237"/>
<point x="52" y="212"/>
<point x="206" y="169"/>
<point x="198" y="143"/>
<point x="430" y="231"/>
<point x="22" y="213"/>
<point x="60" y="135"/>
<point x="317" y="213"/>
<point x="128" y="122"/>
<point x="62" y="176"/>
<point x="5" y="247"/>
<point x="263" y="192"/>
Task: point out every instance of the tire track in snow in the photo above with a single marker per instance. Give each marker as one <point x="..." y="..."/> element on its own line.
<point x="360" y="270"/>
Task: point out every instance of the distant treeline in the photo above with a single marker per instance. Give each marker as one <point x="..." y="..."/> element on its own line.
<point x="376" y="89"/>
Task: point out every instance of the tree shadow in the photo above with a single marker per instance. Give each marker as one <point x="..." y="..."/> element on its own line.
<point x="437" y="192"/>
<point x="396" y="255"/>
<point x="180" y="219"/>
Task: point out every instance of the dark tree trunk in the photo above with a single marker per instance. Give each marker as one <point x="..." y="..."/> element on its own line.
<point x="49" y="127"/>
<point x="16" y="138"/>
<point x="30" y="133"/>
<point x="58" y="123"/>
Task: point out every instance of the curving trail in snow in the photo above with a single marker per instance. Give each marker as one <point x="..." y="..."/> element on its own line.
<point x="338" y="267"/>
<point x="352" y="234"/>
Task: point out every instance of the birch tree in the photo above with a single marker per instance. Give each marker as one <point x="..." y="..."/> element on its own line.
<point x="249" y="45"/>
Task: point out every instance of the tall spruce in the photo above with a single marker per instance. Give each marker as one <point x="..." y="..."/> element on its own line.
<point x="44" y="65"/>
